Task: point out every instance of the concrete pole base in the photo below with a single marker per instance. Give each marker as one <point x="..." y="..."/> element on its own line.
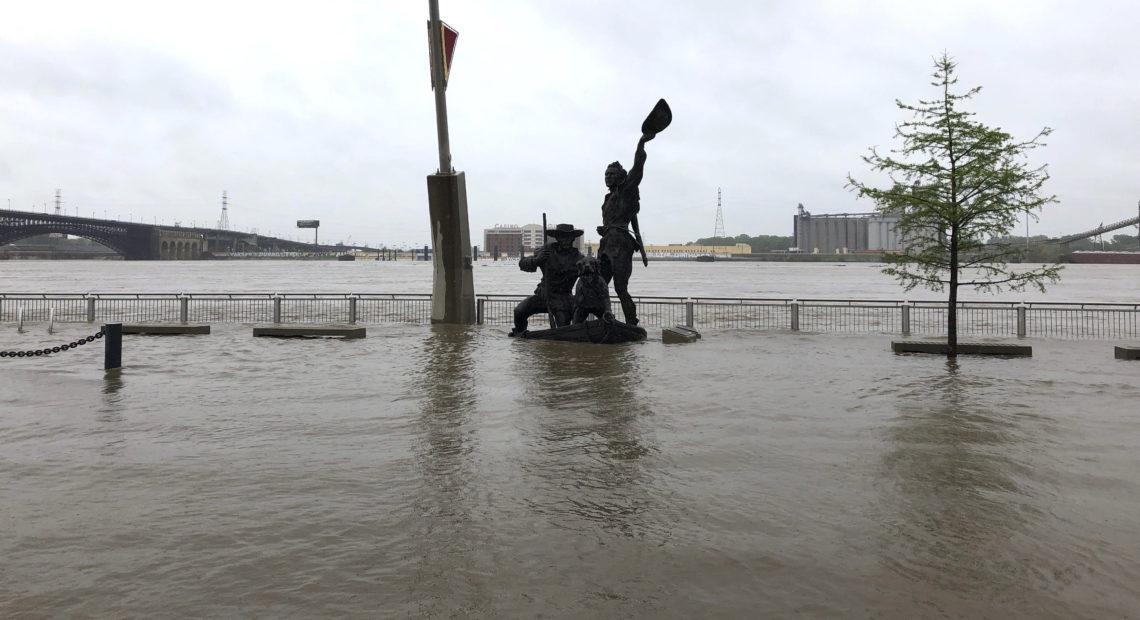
<point x="453" y="288"/>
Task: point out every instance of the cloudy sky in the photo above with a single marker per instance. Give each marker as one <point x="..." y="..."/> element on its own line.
<point x="149" y="110"/>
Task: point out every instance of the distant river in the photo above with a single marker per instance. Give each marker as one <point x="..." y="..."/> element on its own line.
<point x="451" y="471"/>
<point x="1087" y="283"/>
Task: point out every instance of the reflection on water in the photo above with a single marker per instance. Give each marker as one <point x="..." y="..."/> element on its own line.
<point x="587" y="434"/>
<point x="448" y="533"/>
<point x="959" y="468"/>
<point x="110" y="413"/>
<point x="444" y="373"/>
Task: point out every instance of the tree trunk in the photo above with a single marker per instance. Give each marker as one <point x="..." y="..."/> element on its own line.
<point x="952" y="305"/>
<point x="952" y="318"/>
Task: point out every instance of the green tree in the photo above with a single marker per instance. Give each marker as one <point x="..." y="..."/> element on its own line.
<point x="954" y="183"/>
<point x="759" y="243"/>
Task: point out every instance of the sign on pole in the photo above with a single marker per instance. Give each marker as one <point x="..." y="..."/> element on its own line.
<point x="449" y="37"/>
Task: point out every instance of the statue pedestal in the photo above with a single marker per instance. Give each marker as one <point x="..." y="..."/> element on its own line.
<point x="453" y="289"/>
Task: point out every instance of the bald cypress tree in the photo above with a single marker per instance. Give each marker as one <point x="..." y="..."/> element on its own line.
<point x="954" y="183"/>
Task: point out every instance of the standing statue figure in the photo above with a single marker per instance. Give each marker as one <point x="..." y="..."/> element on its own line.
<point x="558" y="261"/>
<point x="619" y="213"/>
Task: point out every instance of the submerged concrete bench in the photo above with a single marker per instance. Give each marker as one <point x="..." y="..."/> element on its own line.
<point x="964" y="348"/>
<point x="678" y="334"/>
<point x="165" y="329"/>
<point x="310" y="331"/>
<point x="1128" y="353"/>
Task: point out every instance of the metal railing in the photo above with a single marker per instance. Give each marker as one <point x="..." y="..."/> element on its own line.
<point x="996" y="319"/>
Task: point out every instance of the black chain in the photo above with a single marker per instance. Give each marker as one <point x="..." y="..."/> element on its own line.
<point x="62" y="347"/>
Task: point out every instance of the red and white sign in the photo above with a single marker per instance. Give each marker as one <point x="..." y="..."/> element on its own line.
<point x="449" y="37"/>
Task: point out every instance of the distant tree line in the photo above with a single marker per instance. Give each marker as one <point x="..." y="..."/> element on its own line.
<point x="761" y="243"/>
<point x="1040" y="252"/>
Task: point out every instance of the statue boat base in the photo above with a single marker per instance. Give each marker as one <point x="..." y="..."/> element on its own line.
<point x="594" y="331"/>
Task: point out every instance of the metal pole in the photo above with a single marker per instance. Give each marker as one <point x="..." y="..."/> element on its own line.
<point x="440" y="86"/>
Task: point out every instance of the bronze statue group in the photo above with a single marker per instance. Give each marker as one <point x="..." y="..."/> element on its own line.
<point x="574" y="286"/>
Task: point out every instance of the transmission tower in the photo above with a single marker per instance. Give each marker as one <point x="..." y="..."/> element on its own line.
<point x="718" y="230"/>
<point x="224" y="221"/>
<point x="57" y="203"/>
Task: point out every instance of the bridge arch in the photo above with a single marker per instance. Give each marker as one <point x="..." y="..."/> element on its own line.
<point x="117" y="240"/>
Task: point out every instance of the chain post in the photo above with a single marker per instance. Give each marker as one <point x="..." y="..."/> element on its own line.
<point x="112" y="346"/>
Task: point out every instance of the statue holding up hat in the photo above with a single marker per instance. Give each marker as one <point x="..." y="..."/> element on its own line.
<point x="619" y="214"/>
<point x="554" y="295"/>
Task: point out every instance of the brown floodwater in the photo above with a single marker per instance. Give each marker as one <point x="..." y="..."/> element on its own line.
<point x="451" y="471"/>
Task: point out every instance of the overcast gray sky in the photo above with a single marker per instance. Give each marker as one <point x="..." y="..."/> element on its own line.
<point x="149" y="110"/>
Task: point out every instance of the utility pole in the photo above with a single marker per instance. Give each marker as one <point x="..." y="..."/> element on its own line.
<point x="453" y="289"/>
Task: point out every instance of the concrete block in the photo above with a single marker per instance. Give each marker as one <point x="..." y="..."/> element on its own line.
<point x="1128" y="353"/>
<point x="678" y="334"/>
<point x="964" y="348"/>
<point x="165" y="329"/>
<point x="310" y="331"/>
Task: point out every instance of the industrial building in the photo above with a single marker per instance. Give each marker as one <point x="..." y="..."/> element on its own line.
<point x="844" y="232"/>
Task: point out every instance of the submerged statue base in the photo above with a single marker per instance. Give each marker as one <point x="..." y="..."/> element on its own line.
<point x="606" y="330"/>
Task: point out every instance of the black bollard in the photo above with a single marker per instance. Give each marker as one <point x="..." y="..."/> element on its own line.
<point x="112" y="345"/>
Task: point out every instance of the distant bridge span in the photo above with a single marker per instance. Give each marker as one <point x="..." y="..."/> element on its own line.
<point x="138" y="241"/>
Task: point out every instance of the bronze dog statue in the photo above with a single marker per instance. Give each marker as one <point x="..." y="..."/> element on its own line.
<point x="591" y="292"/>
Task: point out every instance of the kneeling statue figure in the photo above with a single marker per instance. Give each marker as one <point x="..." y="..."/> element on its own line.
<point x="558" y="261"/>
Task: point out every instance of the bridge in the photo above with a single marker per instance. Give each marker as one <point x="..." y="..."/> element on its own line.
<point x="139" y="241"/>
<point x="1099" y="230"/>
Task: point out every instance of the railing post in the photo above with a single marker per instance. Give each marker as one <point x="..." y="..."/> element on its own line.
<point x="795" y="307"/>
<point x="276" y="308"/>
<point x="184" y="309"/>
<point x="20" y="320"/>
<point x="905" y="317"/>
<point x="1021" y="331"/>
<point x="90" y="309"/>
<point x="689" y="313"/>
<point x="479" y="310"/>
<point x="352" y="309"/>
<point x="51" y="320"/>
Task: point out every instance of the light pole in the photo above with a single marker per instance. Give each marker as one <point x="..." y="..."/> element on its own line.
<point x="453" y="289"/>
<point x="439" y="85"/>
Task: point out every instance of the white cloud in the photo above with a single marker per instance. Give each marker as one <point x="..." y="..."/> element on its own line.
<point x="327" y="113"/>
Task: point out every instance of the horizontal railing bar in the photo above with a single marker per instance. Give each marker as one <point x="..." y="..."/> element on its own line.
<point x="500" y="296"/>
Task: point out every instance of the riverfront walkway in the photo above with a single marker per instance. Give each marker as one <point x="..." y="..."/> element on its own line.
<point x="928" y="317"/>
